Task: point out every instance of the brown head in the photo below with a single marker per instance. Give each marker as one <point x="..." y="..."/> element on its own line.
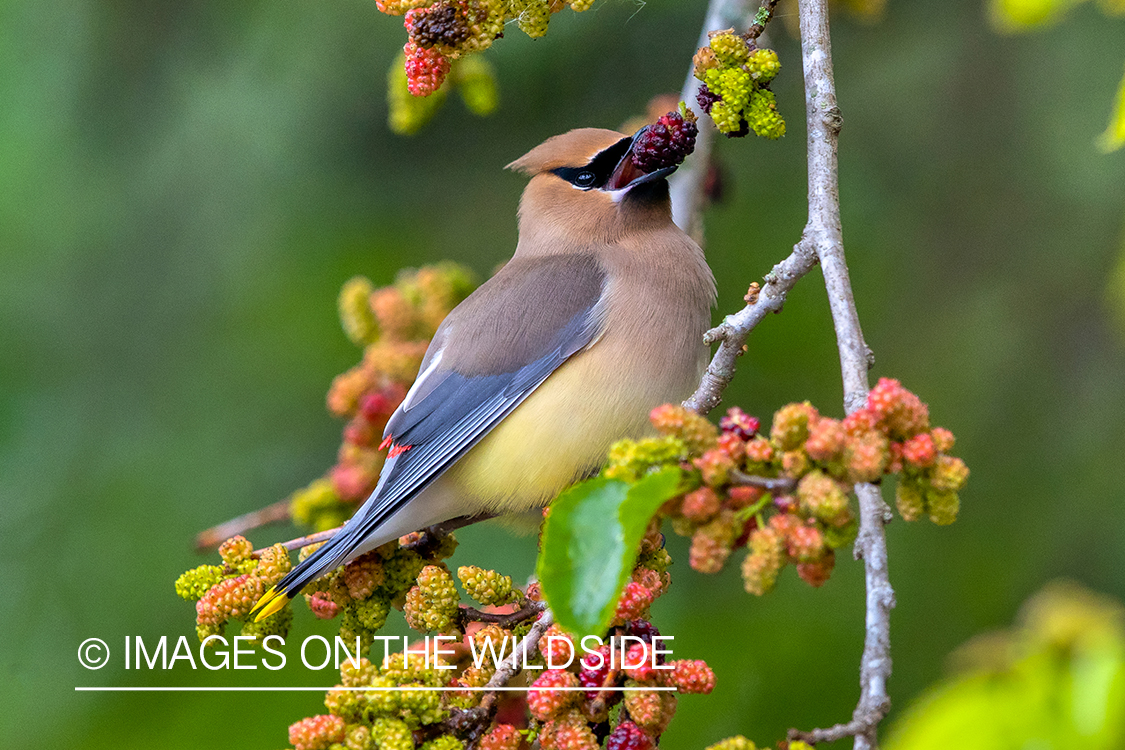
<point x="585" y="190"/>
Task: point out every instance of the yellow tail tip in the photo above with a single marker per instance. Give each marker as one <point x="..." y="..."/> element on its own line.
<point x="269" y="604"/>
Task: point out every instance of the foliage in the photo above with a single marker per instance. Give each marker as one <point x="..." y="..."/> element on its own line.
<point x="1114" y="136"/>
<point x="1057" y="680"/>
<point x="602" y="562"/>
<point x="590" y="544"/>
<point x="1025" y="15"/>
<point x="625" y="559"/>
<point x="182" y="195"/>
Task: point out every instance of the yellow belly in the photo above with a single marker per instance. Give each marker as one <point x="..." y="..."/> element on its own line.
<point x="563" y="430"/>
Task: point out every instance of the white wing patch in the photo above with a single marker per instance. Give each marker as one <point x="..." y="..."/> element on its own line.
<point x="419" y="386"/>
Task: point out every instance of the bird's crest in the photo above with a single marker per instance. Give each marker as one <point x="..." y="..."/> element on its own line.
<point x="572" y="149"/>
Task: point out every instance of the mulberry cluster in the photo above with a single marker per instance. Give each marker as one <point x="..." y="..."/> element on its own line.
<point x="786" y="495"/>
<point x="930" y="479"/>
<point x="551" y="694"/>
<point x="629" y="460"/>
<point x="735" y="91"/>
<point x="196" y="582"/>
<point x="667" y="142"/>
<point x="316" y="732"/>
<point x="385" y="715"/>
<point x="449" y="30"/>
<point x="502" y="737"/>
<point x="442" y="24"/>
<point x="364" y="591"/>
<point x="407" y="113"/>
<point x="575" y="719"/>
<point x="438" y="35"/>
<point x="557" y="647"/>
<point x="227" y="592"/>
<point x="738" y="742"/>
<point x="426" y="68"/>
<point x="532" y="16"/>
<point x="485" y="586"/>
<point x="629" y="736"/>
<point x="394" y="325"/>
<point x="683" y="434"/>
<point x="432" y="603"/>
<point x="567" y="705"/>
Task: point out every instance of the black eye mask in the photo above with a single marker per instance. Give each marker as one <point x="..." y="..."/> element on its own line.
<point x="597" y="172"/>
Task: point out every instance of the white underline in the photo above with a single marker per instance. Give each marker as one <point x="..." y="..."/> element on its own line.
<point x="267" y="689"/>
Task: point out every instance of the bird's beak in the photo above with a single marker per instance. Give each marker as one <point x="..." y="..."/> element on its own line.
<point x="626" y="175"/>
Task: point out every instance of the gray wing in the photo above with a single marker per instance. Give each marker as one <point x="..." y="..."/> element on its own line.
<point x="489" y="355"/>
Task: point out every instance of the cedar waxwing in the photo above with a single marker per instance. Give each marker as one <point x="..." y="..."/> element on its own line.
<point x="597" y="318"/>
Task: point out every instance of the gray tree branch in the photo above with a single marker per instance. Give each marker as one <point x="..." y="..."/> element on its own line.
<point x="825" y="236"/>
<point x="687" y="205"/>
<point x="734" y="330"/>
<point x="821" y="242"/>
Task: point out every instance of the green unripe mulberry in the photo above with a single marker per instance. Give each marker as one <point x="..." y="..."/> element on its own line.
<point x="763" y="65"/>
<point x="196" y="582"/>
<point x="485" y="586"/>
<point x="445" y="742"/>
<point x="763" y="116"/>
<point x="731" y="49"/>
<point x="942" y="506"/>
<point x="910" y="501"/>
<point x="629" y="460"/>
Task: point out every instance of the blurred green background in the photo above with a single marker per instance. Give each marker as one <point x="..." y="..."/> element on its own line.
<point x="185" y="186"/>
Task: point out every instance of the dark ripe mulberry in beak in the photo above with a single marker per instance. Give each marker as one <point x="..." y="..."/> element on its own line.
<point x="628" y="175"/>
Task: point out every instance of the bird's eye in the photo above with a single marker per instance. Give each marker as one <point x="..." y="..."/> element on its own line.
<point x="584" y="179"/>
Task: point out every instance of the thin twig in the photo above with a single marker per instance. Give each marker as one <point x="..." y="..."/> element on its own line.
<point x="773" y="485"/>
<point x="828" y="734"/>
<point x="471" y="723"/>
<point x="525" y="650"/>
<point x="504" y="620"/>
<point x="426" y="538"/>
<point x="824" y="234"/>
<point x="426" y="541"/>
<point x="875" y="665"/>
<point x="761" y="19"/>
<point x="216" y="535"/>
<point x="734" y="330"/>
<point x="687" y="204"/>
<point x="304" y="541"/>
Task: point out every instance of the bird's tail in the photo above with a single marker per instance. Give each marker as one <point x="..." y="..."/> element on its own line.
<point x="330" y="556"/>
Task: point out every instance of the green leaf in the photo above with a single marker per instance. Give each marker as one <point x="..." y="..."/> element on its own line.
<point x="590" y="542"/>
<point x="1114" y="136"/>
<point x="1015" y="16"/>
